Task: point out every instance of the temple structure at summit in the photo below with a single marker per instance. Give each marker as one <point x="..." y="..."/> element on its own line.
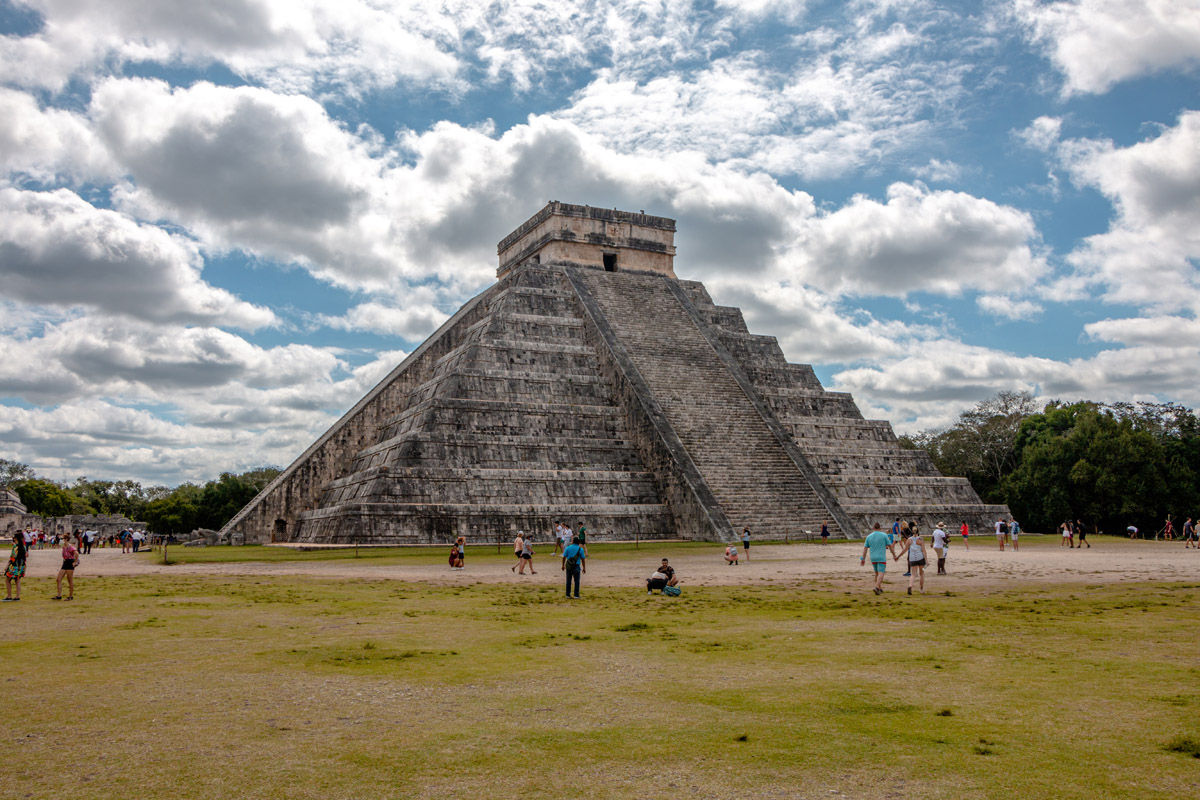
<point x="591" y="385"/>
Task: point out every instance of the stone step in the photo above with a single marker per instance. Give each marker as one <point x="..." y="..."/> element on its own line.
<point x="722" y="431"/>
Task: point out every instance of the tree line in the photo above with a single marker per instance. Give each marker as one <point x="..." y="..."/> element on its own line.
<point x="1108" y="464"/>
<point x="163" y="509"/>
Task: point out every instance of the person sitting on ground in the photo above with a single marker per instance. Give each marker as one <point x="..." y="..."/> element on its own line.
<point x="731" y="555"/>
<point x="663" y="577"/>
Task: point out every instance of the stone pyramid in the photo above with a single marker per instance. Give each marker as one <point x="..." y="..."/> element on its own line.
<point x="592" y="386"/>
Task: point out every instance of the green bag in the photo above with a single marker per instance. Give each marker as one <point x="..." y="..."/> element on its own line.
<point x="672" y="591"/>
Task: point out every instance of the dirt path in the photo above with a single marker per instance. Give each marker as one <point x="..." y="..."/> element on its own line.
<point x="1109" y="561"/>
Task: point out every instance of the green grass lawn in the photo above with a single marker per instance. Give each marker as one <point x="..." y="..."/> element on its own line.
<point x="164" y="686"/>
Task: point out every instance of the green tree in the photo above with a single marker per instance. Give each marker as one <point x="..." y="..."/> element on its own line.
<point x="49" y="499"/>
<point x="176" y="512"/>
<point x="1080" y="461"/>
<point x="13" y="472"/>
<point x="979" y="446"/>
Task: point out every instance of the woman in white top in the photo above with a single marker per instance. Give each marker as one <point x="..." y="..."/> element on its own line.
<point x="914" y="545"/>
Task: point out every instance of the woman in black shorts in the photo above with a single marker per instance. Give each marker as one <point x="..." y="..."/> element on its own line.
<point x="915" y="547"/>
<point x="70" y="557"/>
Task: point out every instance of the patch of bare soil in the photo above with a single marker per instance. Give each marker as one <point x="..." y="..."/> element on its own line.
<point x="1108" y="561"/>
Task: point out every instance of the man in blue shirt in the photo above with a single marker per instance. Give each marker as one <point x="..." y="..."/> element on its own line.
<point x="878" y="545"/>
<point x="574" y="561"/>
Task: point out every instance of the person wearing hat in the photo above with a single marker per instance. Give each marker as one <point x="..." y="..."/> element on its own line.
<point x="518" y="548"/>
<point x="941" y="543"/>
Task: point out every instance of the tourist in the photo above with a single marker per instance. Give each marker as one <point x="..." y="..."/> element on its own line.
<point x="137" y="537"/>
<point x="966" y="533"/>
<point x="582" y="537"/>
<point x="16" y="567"/>
<point x="661" y="578"/>
<point x="89" y="537"/>
<point x="460" y="544"/>
<point x="941" y="543"/>
<point x="28" y="536"/>
<point x="70" y="560"/>
<point x="1132" y="531"/>
<point x="746" y="542"/>
<point x="1189" y="534"/>
<point x="1014" y="530"/>
<point x="1082" y="531"/>
<point x="527" y="556"/>
<point x="877" y="545"/>
<point x="908" y="529"/>
<point x="896" y="526"/>
<point x="1168" y="530"/>
<point x="1066" y="535"/>
<point x="915" y="547"/>
<point x="568" y="536"/>
<point x="558" y="537"/>
<point x="453" y="558"/>
<point x="731" y="555"/>
<point x="574" y="562"/>
<point x="518" y="549"/>
<point x="824" y="531"/>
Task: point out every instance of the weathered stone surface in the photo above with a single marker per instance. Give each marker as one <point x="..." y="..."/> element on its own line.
<point x="578" y="389"/>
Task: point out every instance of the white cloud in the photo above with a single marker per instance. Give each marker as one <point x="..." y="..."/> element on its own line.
<point x="1041" y="134"/>
<point x="919" y="240"/>
<point x="1160" y="331"/>
<point x="1098" y="43"/>
<point x="938" y="378"/>
<point x="1148" y="255"/>
<point x="49" y="144"/>
<point x="1008" y="307"/>
<point x="939" y="171"/>
<point x="164" y="403"/>
<point x="289" y="44"/>
<point x="414" y="320"/>
<point x="57" y="249"/>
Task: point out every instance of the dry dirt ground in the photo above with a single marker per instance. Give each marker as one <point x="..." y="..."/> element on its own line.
<point x="1039" y="560"/>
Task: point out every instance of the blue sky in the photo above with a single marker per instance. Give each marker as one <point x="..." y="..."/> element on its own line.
<point x="221" y="223"/>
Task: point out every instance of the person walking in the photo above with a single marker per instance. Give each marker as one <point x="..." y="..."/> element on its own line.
<point x="1065" y="528"/>
<point x="574" y="563"/>
<point x="905" y="532"/>
<point x="914" y="546"/>
<point x="518" y="549"/>
<point x="877" y="546"/>
<point x="941" y="543"/>
<point x="1082" y="531"/>
<point x="966" y="534"/>
<point x="527" y="556"/>
<point x="582" y="536"/>
<point x="70" y="560"/>
<point x="824" y="531"/>
<point x="746" y="542"/>
<point x="1189" y="534"/>
<point x="16" y="567"/>
<point x="558" y="537"/>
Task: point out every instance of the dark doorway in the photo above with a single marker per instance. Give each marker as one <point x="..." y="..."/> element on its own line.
<point x="280" y="532"/>
<point x="610" y="262"/>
